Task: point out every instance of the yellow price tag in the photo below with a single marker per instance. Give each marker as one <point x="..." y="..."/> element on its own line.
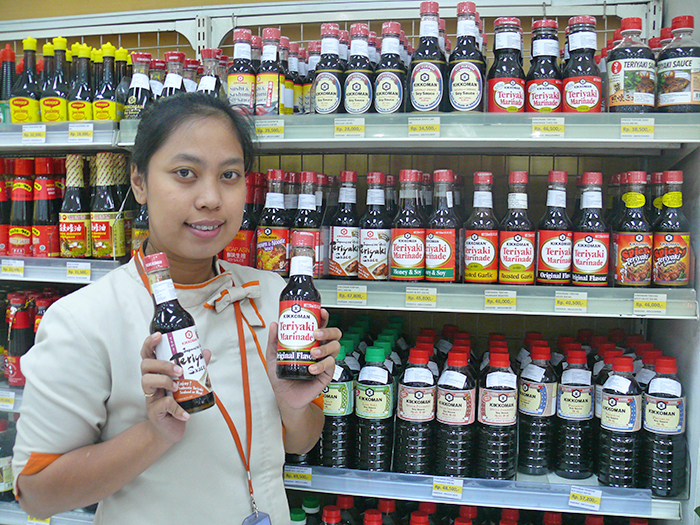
<point x="34" y="134"/>
<point x="421" y="297"/>
<point x="78" y="271"/>
<point x="12" y="268"/>
<point x="548" y="126"/>
<point x="571" y="302"/>
<point x="424" y="126"/>
<point x="349" y="127"/>
<point x="270" y="129"/>
<point x="32" y="521"/>
<point x="7" y="400"/>
<point x="449" y="488"/>
<point x="585" y="498"/>
<point x="80" y="132"/>
<point x="503" y="300"/>
<point x="295" y="476"/>
<point x="650" y="304"/>
<point x="637" y="128"/>
<point x="351" y="295"/>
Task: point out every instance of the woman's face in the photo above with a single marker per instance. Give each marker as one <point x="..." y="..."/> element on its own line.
<point x="195" y="190"/>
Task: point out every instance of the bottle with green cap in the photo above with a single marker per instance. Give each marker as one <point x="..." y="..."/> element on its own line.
<point x="297" y="516"/>
<point x="337" y="438"/>
<point x="312" y="508"/>
<point x="54" y="93"/>
<point x="374" y="408"/>
<point x="350" y="360"/>
<point x="390" y="337"/>
<point x="24" y="98"/>
<point x="80" y="95"/>
<point x="389" y="364"/>
<point x="104" y="105"/>
<point x="354" y="338"/>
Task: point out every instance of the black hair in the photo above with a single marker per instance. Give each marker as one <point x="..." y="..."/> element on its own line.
<point x="163" y="117"/>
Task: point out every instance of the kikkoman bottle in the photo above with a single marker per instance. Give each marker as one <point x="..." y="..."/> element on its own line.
<point x="338" y="436"/>
<point x="300" y="313"/>
<point x="591" y="238"/>
<point x="273" y="228"/>
<point x="375" y="232"/>
<point x="390" y="81"/>
<point x="210" y="83"/>
<point x="140" y="94"/>
<point x="654" y="196"/>
<point x="343" y="46"/>
<point x="106" y="221"/>
<point x="45" y="236"/>
<point x="554" y="235"/>
<point x="328" y="80"/>
<point x="287" y="94"/>
<point x="517" y="235"/>
<point x="612" y="207"/>
<point x="81" y="93"/>
<point x="358" y="91"/>
<point x="173" y="84"/>
<point x="480" y="235"/>
<point x="506" y="78"/>
<point x="314" y="58"/>
<point x="543" y="83"/>
<point x="581" y="76"/>
<point x="678" y="89"/>
<point x="54" y="95"/>
<point x="344" y="251"/>
<point x="269" y="81"/>
<point x="467" y="69"/>
<point x="189" y="75"/>
<point x="26" y="91"/>
<point x="441" y="233"/>
<point x="407" y="261"/>
<point x="671" y="255"/>
<point x="295" y="66"/>
<point x="180" y="342"/>
<point x="21" y="213"/>
<point x="308" y="218"/>
<point x="241" y="250"/>
<point x="426" y="86"/>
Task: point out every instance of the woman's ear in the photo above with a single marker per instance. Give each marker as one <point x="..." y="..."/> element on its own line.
<point x="138" y="185"/>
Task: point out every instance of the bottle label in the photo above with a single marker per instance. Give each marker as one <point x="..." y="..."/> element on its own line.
<point x="426" y="87"/>
<point x="621" y="413"/>
<point x="241" y="92"/>
<point x="15" y="377"/>
<point x="272" y="250"/>
<point x="582" y="95"/>
<point x="545" y="47"/>
<point x="583" y="40"/>
<point x="339" y="398"/>
<point x="307" y="96"/>
<point x="554" y="256"/>
<point x="318" y="262"/>
<point x="575" y="402"/>
<point x="267" y="94"/>
<point x="416" y="404"/>
<point x="440" y="256"/>
<point x="107" y="235"/>
<point x="298" y="98"/>
<point x="8" y="478"/>
<point x="375" y="197"/>
<point x="20" y="241"/>
<point x="104" y="110"/>
<point x="347" y="195"/>
<point x="537" y="399"/>
<point x="633" y="258"/>
<point x="45" y="241"/>
<point x="631" y="82"/>
<point x="663" y="415"/>
<point x="498" y="407"/>
<point x="374" y="401"/>
<point x="456" y="407"/>
<point x="79" y="110"/>
<point x="388" y="97"/>
<point x="480" y="256"/>
<point x="374" y="255"/>
<point x="544" y="95"/>
<point x="297" y="322"/>
<point x="240" y="249"/>
<point x="516" y="257"/>
<point x="172" y="80"/>
<point x="74" y="233"/>
<point x="466" y="86"/>
<point x="466" y="27"/>
<point x="288" y="98"/>
<point x="678" y="81"/>
<point x="23" y="110"/>
<point x="407" y="254"/>
<point x="358" y="93"/>
<point x="328" y="92"/>
<point x="506" y="95"/>
<point x="344" y="251"/>
<point x="182" y="348"/>
<point x="54" y="109"/>
<point x="592" y="199"/>
<point x="589" y="260"/>
<point x="22" y="190"/>
<point x="671" y="259"/>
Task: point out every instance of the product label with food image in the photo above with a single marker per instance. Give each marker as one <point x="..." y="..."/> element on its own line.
<point x="671" y="259"/>
<point x="480" y="256"/>
<point x="54" y="109"/>
<point x="358" y="93"/>
<point x="633" y="258"/>
<point x="589" y="261"/>
<point x="678" y="81"/>
<point x="664" y="415"/>
<point x="24" y="110"/>
<point x="328" y="92"/>
<point x="182" y="348"/>
<point x="582" y="95"/>
<point x="506" y="95"/>
<point x="20" y="241"/>
<point x="241" y="92"/>
<point x="388" y="97"/>
<point x="466" y="86"/>
<point x="544" y="95"/>
<point x="241" y="249"/>
<point x="498" y="407"/>
<point x="426" y="87"/>
<point x="407" y="254"/>
<point x="440" y="256"/>
<point x="107" y="235"/>
<point x="267" y="94"/>
<point x="298" y="320"/>
<point x="621" y="413"/>
<point x="456" y="407"/>
<point x="516" y="257"/>
<point x="416" y="404"/>
<point x="272" y="249"/>
<point x="374" y="254"/>
<point x="344" y="251"/>
<point x="74" y="233"/>
<point x="631" y="82"/>
<point x="79" y="110"/>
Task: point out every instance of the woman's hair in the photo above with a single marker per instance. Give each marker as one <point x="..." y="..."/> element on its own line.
<point x="164" y="116"/>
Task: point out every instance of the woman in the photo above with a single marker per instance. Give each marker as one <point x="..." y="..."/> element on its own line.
<point x="97" y="423"/>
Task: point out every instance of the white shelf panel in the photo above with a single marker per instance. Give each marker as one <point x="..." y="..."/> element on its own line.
<point x="11" y="514"/>
<point x="104" y="136"/>
<point x="54" y="270"/>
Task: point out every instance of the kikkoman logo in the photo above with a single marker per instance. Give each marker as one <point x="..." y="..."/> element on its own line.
<point x="576" y="393"/>
<point x="449" y="397"/>
<point x="386" y="86"/>
<point x="189" y="334"/>
<point x="419" y="395"/>
<point x="424" y="77"/>
<point x="296" y="308"/>
<point x="661" y="405"/>
<point x="639" y="238"/>
<point x="526" y="387"/>
<point x="407" y="235"/>
<point x="612" y="402"/>
<point x="518" y="238"/>
<point x="356" y="86"/>
<point x="668" y="238"/>
<point x="268" y="231"/>
<point x="369" y="392"/>
<point x="325" y="86"/>
<point x="503" y="398"/>
<point x="464" y="77"/>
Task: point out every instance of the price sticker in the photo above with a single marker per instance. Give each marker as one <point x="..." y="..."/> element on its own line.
<point x="500" y="300"/>
<point x="80" y="132"/>
<point x="12" y="268"/>
<point x="351" y="295"/>
<point x="7" y="400"/>
<point x="423" y="126"/>
<point x="295" y="476"/>
<point x="448" y="488"/>
<point x="270" y="129"/>
<point x="421" y="297"/>
<point x="650" y="304"/>
<point x="350" y="128"/>
<point x="34" y="134"/>
<point x="571" y="302"/>
<point x="547" y="127"/>
<point x="78" y="271"/>
<point x="34" y="521"/>
<point x="585" y="498"/>
<point x="637" y="128"/>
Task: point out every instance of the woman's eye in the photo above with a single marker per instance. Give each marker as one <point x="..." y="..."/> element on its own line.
<point x="185" y="173"/>
<point x="229" y="175"/>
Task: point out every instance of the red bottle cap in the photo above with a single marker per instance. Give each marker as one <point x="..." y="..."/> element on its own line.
<point x="642" y="346"/>
<point x="639" y="521"/>
<point x="375" y="177"/>
<point x="506" y="21"/>
<point x="271" y="33"/>
<point x="410" y="176"/>
<point x="496" y="336"/>
<point x="596" y="340"/>
<point x="44" y="302"/>
<point x="191" y="63"/>
<point x="157" y="63"/>
<point x="617" y="36"/>
<point x="157" y="261"/>
<point x="140" y="58"/>
<point x="242" y="35"/>
<point x="331" y="514"/>
<point x="427" y="178"/>
<point x="284" y="42"/>
<point x="256" y="41"/>
<point x="7" y="55"/>
<point x="636" y="177"/>
<point x="682" y="22"/>
<point x="428" y="347"/>
<point x="483" y="177"/>
<point x="498" y="360"/>
<point x="605" y="347"/>
<point x="558" y="176"/>
<point x="373" y="517"/>
<point x="24" y="167"/>
<point x="623" y="364"/>
<point x="345" y="502"/>
<point x="499" y="347"/>
<point x="208" y="53"/>
<point x="43" y="165"/>
<point x="532" y="335"/>
<point x="650" y="356"/>
<point x="517" y="177"/>
<point x="591" y="177"/>
<point x="330" y="29"/>
<point x="219" y="52"/>
<point x="510" y="514"/>
<point x="666" y="365"/>
<point x="344" y="36"/>
<point x="576" y="357"/>
<point x="655" y="43"/>
<point x="541" y="353"/>
<point x="429" y="331"/>
<point x="294" y="47"/>
<point x="545" y="23"/>
<point x="449" y="330"/>
<point x="466" y="8"/>
<point x="457" y="358"/>
<point x="563" y="339"/>
<point x="418" y="357"/>
<point x="666" y="33"/>
<point x="507" y="522"/>
<point x="467" y="511"/>
<point x="391" y="28"/>
<point x="672" y="176"/>
<point x="419" y="517"/>
<point x="631" y="23"/>
<point x="259" y="178"/>
<point x="612" y="354"/>
<point x="348" y="176"/>
<point x="174" y="56"/>
<point x="552" y="518"/>
<point x="429" y="8"/>
<point x="657" y="177"/>
<point x="581" y="20"/>
<point x="277" y="175"/>
<point x="386" y="506"/>
<point x="391" y="180"/>
<point x="443" y="176"/>
<point x="359" y="29"/>
<point x="308" y="176"/>
<point x="594" y="519"/>
<point x="568" y="347"/>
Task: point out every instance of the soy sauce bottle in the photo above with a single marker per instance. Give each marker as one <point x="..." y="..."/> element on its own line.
<point x="671" y="259"/>
<point x="581" y="76"/>
<point x="426" y="86"/>
<point x="517" y="235"/>
<point x="327" y="87"/>
<point x="140" y="94"/>
<point x="45" y="235"/>
<point x="441" y="263"/>
<point x="139" y="233"/>
<point x="241" y="74"/>
<point x="390" y="80"/>
<point x="81" y="93"/>
<point x="339" y="428"/>
<point x="480" y="234"/>
<point x="273" y="228"/>
<point x="375" y="232"/>
<point x="256" y="45"/>
<point x="210" y="84"/>
<point x="269" y="81"/>
<point x="677" y="93"/>
<point x="506" y="78"/>
<point x="287" y="95"/>
<point x="26" y="91"/>
<point x="308" y="218"/>
<point x="358" y="94"/>
<point x="544" y="82"/>
<point x="466" y="69"/>
<point x="54" y="95"/>
<point x="241" y="250"/>
<point x="173" y="84"/>
<point x="407" y="259"/>
<point x="591" y="237"/>
<point x="74" y="217"/>
<point x="554" y="235"/>
<point x="22" y="209"/>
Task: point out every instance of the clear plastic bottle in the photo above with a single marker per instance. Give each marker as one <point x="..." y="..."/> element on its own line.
<point x="677" y="91"/>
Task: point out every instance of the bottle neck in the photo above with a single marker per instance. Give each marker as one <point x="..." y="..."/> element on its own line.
<point x="591" y="198"/>
<point x="330" y="46"/>
<point x="275" y="186"/>
<point x="302" y="268"/>
<point x="269" y="53"/>
<point x="142" y="68"/>
<point x="429" y="25"/>
<point x="162" y="286"/>
<point x="391" y="45"/>
<point x="30" y="61"/>
<point x="359" y="47"/>
<point x="74" y="178"/>
<point x="375" y="196"/>
<point x="175" y="67"/>
<point x="49" y="69"/>
<point x="483" y="197"/>
<point x="466" y="27"/>
<point x="242" y="50"/>
<point x="83" y="70"/>
<point x="120" y="70"/>
<point x="408" y="195"/>
<point x="443" y="196"/>
<point x="108" y="71"/>
<point x="210" y="66"/>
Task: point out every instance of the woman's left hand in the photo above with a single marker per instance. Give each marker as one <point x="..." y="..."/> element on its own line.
<point x="297" y="394"/>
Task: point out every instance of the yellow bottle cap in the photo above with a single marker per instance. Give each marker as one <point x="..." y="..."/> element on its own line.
<point x="128" y="58"/>
<point x="84" y="51"/>
<point x="69" y="56"/>
<point x="29" y="44"/>
<point x="108" y="50"/>
<point x="60" y="43"/>
<point x="75" y="48"/>
<point x="47" y="50"/>
<point x="121" y="54"/>
<point x="97" y="56"/>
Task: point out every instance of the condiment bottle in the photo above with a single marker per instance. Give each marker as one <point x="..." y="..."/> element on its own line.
<point x="308" y="217"/>
<point x="407" y="261"/>
<point x="390" y="81"/>
<point x="7" y="167"/>
<point x="173" y="84"/>
<point x="613" y="199"/>
<point x="96" y="69"/>
<point x="140" y="230"/>
<point x="671" y="255"/>
<point x="373" y="54"/>
<point x="554" y="235"/>
<point x="582" y="79"/>
<point x="375" y="232"/>
<point x="45" y="235"/>
<point x="314" y="58"/>
<point x="480" y="235"/>
<point x="358" y="93"/>
<point x="544" y="82"/>
<point x="426" y="86"/>
<point x="106" y="221"/>
<point x="391" y="196"/>
<point x="506" y="78"/>
<point x="516" y="238"/>
<point x="343" y="47"/>
<point x="74" y="218"/>
<point x="81" y="95"/>
<point x="344" y="252"/>
<point x="338" y="435"/>
<point x="441" y="233"/>
<point x="104" y="104"/>
<point x="21" y="339"/>
<point x="295" y="65"/>
<point x="123" y="80"/>
<point x="678" y="92"/>
<point x="210" y="83"/>
<point x="287" y="94"/>
<point x="291" y="193"/>
<point x="26" y="92"/>
<point x="139" y="95"/>
<point x="269" y="80"/>
<point x="631" y="72"/>
<point x="466" y="69"/>
<point x="241" y="250"/>
<point x="273" y="228"/>
<point x="654" y="196"/>
<point x="189" y="76"/>
<point x="328" y="79"/>
<point x="331" y="515"/>
<point x="54" y="95"/>
<point x="179" y="342"/>
<point x="20" y="236"/>
<point x="156" y="76"/>
<point x="591" y="236"/>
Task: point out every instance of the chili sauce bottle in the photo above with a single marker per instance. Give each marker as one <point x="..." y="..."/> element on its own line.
<point x="300" y="312"/>
<point x="390" y="79"/>
<point x="104" y="104"/>
<point x="480" y="234"/>
<point x="210" y="83"/>
<point x="632" y="237"/>
<point x="241" y="250"/>
<point x="516" y="238"/>
<point x="554" y="235"/>
<point x="339" y="428"/>
<point x="308" y="217"/>
<point x="506" y="78"/>
<point x="466" y="69"/>
<point x="241" y="75"/>
<point x="328" y="79"/>
<point x="344" y="250"/>
<point x="81" y="93"/>
<point x="272" y="233"/>
<point x="358" y="93"/>
<point x="591" y="236"/>
<point x="180" y="342"/>
<point x="140" y="94"/>
<point x="678" y="60"/>
<point x="54" y="95"/>
<point x="581" y="76"/>
<point x="173" y="84"/>
<point x="106" y="221"/>
<point x="671" y="255"/>
<point x="426" y="86"/>
<point x="407" y="261"/>
<point x="441" y="233"/>
<point x="544" y="82"/>
<point x="269" y="80"/>
<point x="45" y="235"/>
<point x="140" y="229"/>
<point x="375" y="232"/>
<point x="26" y="92"/>
<point x="21" y="213"/>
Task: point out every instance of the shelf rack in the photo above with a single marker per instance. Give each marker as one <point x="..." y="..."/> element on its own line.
<point x="58" y="136"/>
<point x="55" y="270"/>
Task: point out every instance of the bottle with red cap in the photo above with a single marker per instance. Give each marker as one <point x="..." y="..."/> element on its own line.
<point x="375" y="232"/>
<point x="591" y="236"/>
<point x="441" y="233"/>
<point x="426" y="86"/>
<point x="390" y="79"/>
<point x="517" y="238"/>
<point x="407" y="261"/>
<point x="554" y="235"/>
<point x="272" y="235"/>
<point x="678" y="92"/>
<point x="291" y="193"/>
<point x="358" y="96"/>
<point x="328" y="81"/>
<point x="209" y="82"/>
<point x="21" y="338"/>
<point x="581" y="76"/>
<point x="45" y="235"/>
<point x="344" y="249"/>
<point x="140" y="94"/>
<point x="671" y="256"/>
<point x="544" y="82"/>
<point x="350" y="516"/>
<point x="506" y="77"/>
<point x="387" y="508"/>
<point x="594" y="519"/>
<point x="26" y="90"/>
<point x="331" y="515"/>
<point x="373" y="517"/>
<point x="189" y="76"/>
<point x="241" y="74"/>
<point x="467" y="68"/>
<point x="175" y="65"/>
<point x="270" y="77"/>
<point x="419" y="517"/>
<point x="286" y="80"/>
<point x="648" y="370"/>
<point x="294" y="72"/>
<point x="654" y="196"/>
<point x="307" y="217"/>
<point x="21" y="213"/>
<point x="241" y="250"/>
<point x="7" y="168"/>
<point x="314" y="58"/>
<point x="480" y="234"/>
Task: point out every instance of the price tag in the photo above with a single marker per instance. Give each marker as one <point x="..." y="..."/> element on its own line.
<point x="547" y="127"/>
<point x="7" y="400"/>
<point x="295" y="476"/>
<point x="571" y="302"/>
<point x="270" y="129"/>
<point x="650" y="304"/>
<point x="421" y="297"/>
<point x="637" y="128"/>
<point x="423" y="126"/>
<point x="80" y="132"/>
<point x="449" y="488"/>
<point x="78" y="271"/>
<point x="500" y="300"/>
<point x="351" y="295"/>
<point x="350" y="127"/>
<point x="585" y="498"/>
<point x="33" y="521"/>
<point x="34" y="134"/>
<point x="12" y="268"/>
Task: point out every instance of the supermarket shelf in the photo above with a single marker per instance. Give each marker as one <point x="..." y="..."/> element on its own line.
<point x="58" y="137"/>
<point x="529" y="300"/>
<point x="54" y="270"/>
<point x="11" y="514"/>
<point x="533" y="493"/>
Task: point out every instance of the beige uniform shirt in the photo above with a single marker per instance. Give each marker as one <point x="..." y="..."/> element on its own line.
<point x="84" y="386"/>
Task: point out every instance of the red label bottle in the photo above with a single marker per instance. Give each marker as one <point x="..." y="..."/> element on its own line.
<point x="632" y="237"/>
<point x="7" y="168"/>
<point x="45" y="234"/>
<point x="544" y="85"/>
<point x="554" y="235"/>
<point x="20" y="235"/>
<point x="272" y="237"/>
<point x="591" y="242"/>
<point x="671" y="260"/>
<point x="582" y="81"/>
<point x="241" y="249"/>
<point x="517" y="235"/>
<point x="506" y="77"/>
<point x="481" y="234"/>
<point x="441" y="234"/>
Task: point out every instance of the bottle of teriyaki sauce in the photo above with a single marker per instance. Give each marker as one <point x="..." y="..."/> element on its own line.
<point x="544" y="85"/>
<point x="591" y="242"/>
<point x="582" y="80"/>
<point x="426" y="85"/>
<point x="506" y="77"/>
<point x="554" y="235"/>
<point x="677" y="64"/>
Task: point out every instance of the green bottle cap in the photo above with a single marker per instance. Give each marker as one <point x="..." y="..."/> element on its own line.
<point x="384" y="345"/>
<point x="341" y="353"/>
<point x="386" y="336"/>
<point x="311" y="504"/>
<point x="375" y="354"/>
<point x="357" y="329"/>
<point x="395" y="319"/>
<point x="298" y="515"/>
<point x="355" y="338"/>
